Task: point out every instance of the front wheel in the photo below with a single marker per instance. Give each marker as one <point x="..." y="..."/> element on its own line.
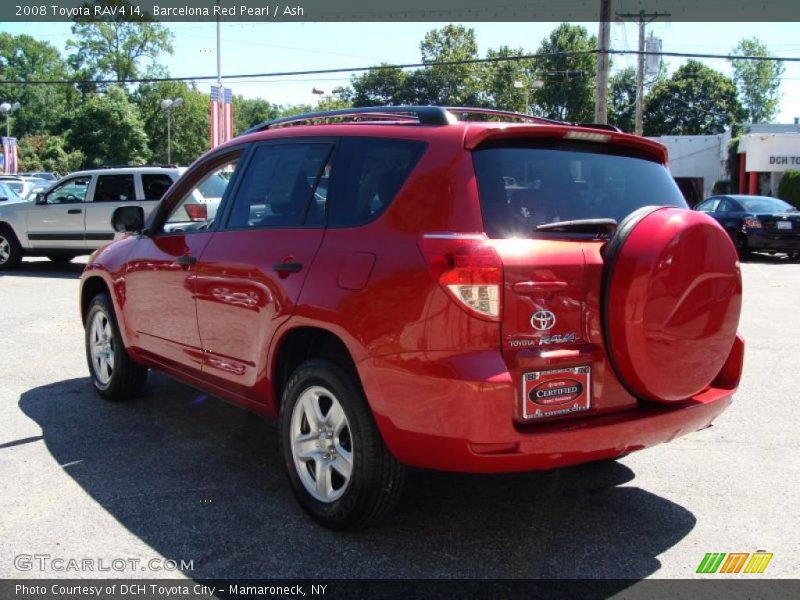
<point x="10" y="250"/>
<point x="339" y="468"/>
<point x="114" y="375"/>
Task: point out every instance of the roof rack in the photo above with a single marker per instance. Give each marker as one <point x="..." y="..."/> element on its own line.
<point x="129" y="166"/>
<point x="491" y="112"/>
<point x="424" y="115"/>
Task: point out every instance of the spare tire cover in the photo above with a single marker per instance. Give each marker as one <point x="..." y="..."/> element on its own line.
<point x="672" y="293"/>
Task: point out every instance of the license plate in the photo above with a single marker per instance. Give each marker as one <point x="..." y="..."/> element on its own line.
<point x="784" y="224"/>
<point x="555" y="392"/>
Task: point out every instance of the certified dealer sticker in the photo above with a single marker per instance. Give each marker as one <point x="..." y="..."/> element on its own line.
<point x="555" y="392"/>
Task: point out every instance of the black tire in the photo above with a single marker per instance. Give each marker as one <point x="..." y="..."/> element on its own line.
<point x="10" y="250"/>
<point x="794" y="256"/>
<point x="60" y="259"/>
<point x="376" y="479"/>
<point x="127" y="379"/>
<point x="740" y="241"/>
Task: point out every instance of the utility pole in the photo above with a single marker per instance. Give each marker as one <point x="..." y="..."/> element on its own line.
<point x="601" y="96"/>
<point x="643" y="19"/>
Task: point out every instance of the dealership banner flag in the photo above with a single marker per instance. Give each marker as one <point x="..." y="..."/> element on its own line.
<point x="221" y="115"/>
<point x="214" y="116"/>
<point x="9" y="155"/>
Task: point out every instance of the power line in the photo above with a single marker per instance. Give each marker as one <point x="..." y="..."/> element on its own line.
<point x="495" y="59"/>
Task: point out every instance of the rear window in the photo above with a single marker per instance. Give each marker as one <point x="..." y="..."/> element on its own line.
<point x="368" y="174"/>
<point x="523" y="186"/>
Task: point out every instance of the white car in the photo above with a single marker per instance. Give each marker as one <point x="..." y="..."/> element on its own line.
<point x="73" y="216"/>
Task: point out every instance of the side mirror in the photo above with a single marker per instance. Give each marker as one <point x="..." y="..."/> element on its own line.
<point x="40" y="198"/>
<point x="128" y="219"/>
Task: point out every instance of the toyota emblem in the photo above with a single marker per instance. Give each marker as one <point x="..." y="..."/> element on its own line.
<point x="542" y="320"/>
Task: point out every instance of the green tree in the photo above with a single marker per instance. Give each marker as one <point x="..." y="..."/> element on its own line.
<point x="43" y="107"/>
<point x="568" y="80"/>
<point x="380" y="87"/>
<point x="622" y="99"/>
<point x="122" y="47"/>
<point x="501" y="79"/>
<point x="459" y="84"/>
<point x="190" y="121"/>
<point x="252" y="111"/>
<point x="758" y="81"/>
<point x="108" y="129"/>
<point x="696" y="100"/>
<point x="48" y="153"/>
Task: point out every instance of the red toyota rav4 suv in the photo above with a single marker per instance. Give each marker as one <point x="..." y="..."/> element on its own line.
<point x="398" y="287"/>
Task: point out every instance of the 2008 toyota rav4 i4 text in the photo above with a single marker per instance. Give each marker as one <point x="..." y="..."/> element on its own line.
<point x="399" y="287"/>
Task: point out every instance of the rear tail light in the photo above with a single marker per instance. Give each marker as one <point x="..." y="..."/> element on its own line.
<point x="752" y="223"/>
<point x="468" y="268"/>
<point x="196" y="212"/>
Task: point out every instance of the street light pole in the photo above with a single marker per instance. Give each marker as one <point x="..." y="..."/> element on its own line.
<point x="167" y="105"/>
<point x="6" y="109"/>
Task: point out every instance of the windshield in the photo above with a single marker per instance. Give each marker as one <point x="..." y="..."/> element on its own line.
<point x="761" y="205"/>
<point x="524" y="186"/>
<point x="214" y="186"/>
<point x="17" y="186"/>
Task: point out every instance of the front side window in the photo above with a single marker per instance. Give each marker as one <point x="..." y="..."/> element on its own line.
<point x="197" y="211"/>
<point x="115" y="188"/>
<point x="278" y="188"/>
<point x="70" y="192"/>
<point x="562" y="181"/>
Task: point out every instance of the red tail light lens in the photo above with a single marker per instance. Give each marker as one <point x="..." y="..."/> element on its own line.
<point x="468" y="268"/>
<point x="196" y="212"/>
<point x="752" y="223"/>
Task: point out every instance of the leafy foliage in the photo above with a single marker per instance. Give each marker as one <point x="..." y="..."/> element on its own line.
<point x="190" y="135"/>
<point x="108" y="130"/>
<point x="117" y="47"/>
<point x="622" y="99"/>
<point x="758" y="81"/>
<point x="569" y="81"/>
<point x="48" y="153"/>
<point x="696" y="100"/>
<point x="43" y="107"/>
<point x="789" y="188"/>
<point x="500" y="78"/>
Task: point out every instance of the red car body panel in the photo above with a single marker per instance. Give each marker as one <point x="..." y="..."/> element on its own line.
<point x="442" y="385"/>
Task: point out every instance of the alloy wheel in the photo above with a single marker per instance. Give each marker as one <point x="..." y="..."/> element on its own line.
<point x="322" y="446"/>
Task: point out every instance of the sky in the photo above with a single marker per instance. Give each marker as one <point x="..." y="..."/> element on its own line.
<point x="257" y="47"/>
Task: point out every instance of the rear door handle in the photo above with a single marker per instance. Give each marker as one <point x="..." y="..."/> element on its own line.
<point x="74" y="211"/>
<point x="186" y="260"/>
<point x="287" y="267"/>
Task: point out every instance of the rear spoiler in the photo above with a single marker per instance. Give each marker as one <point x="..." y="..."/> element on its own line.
<point x="475" y="136"/>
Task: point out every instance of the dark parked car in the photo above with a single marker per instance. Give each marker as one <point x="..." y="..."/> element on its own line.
<point x="757" y="223"/>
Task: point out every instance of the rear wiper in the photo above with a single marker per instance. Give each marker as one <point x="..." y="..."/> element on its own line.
<point x="598" y="226"/>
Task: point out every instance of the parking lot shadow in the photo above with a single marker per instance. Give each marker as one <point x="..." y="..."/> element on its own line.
<point x="197" y="479"/>
<point x="47" y="269"/>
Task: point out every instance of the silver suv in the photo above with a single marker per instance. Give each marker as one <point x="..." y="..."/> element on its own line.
<point x="73" y="216"/>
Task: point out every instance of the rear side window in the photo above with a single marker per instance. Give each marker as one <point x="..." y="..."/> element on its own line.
<point x="155" y="185"/>
<point x="367" y="175"/>
<point x="521" y="187"/>
<point x="115" y="188"/>
<point x="278" y="186"/>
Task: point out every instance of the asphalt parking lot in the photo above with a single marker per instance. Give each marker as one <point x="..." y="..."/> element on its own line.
<point x="180" y="475"/>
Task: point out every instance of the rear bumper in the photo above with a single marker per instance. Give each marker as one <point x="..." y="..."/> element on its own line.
<point x="466" y="423"/>
<point x="779" y="242"/>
